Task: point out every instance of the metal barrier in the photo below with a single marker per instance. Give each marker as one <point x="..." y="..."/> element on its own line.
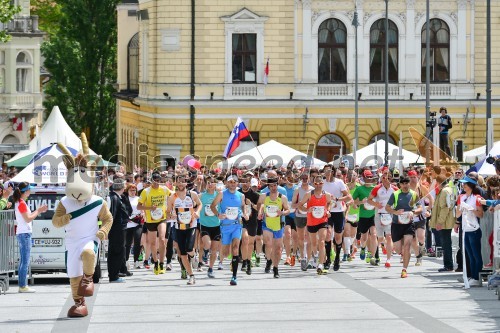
<point x="7" y="248"/>
<point x="496" y="241"/>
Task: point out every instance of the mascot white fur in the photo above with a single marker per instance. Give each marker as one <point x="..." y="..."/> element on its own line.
<point x="79" y="212"/>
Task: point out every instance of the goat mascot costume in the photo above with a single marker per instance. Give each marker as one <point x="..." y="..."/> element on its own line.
<point x="79" y="212"/>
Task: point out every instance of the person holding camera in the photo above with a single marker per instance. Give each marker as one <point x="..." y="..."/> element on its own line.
<point x="444" y="124"/>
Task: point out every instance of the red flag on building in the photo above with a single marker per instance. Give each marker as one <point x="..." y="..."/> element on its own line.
<point x="266" y="71"/>
<point x="17" y="124"/>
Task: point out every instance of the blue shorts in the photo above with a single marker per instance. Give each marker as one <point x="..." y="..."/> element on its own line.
<point x="230" y="232"/>
<point x="276" y="234"/>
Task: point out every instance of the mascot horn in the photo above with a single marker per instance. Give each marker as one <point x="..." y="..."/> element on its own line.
<point x="79" y="212"/>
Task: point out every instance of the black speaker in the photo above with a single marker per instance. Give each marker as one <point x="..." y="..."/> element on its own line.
<point x="459" y="150"/>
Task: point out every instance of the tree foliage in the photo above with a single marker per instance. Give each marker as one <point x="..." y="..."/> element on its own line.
<point x="49" y="13"/>
<point x="81" y="57"/>
<point x="7" y="12"/>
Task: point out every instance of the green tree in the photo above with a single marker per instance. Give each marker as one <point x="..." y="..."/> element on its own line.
<point x="81" y="57"/>
<point x="7" y="12"/>
<point x="49" y="13"/>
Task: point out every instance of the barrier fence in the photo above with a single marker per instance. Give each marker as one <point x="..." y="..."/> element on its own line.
<point x="7" y="248"/>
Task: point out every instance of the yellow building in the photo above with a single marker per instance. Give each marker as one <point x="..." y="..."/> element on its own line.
<point x="171" y="105"/>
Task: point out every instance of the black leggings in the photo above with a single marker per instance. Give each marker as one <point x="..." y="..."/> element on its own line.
<point x="133" y="234"/>
<point x="170" y="244"/>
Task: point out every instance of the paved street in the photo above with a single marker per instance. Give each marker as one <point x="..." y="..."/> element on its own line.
<point x="359" y="297"/>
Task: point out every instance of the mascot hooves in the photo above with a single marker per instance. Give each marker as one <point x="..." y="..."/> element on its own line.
<point x="79" y="309"/>
<point x="86" y="287"/>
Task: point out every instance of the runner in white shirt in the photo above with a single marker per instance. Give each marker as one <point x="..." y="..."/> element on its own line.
<point x="340" y="193"/>
<point x="383" y="220"/>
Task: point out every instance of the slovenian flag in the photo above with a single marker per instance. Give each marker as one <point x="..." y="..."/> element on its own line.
<point x="266" y="72"/>
<point x="239" y="132"/>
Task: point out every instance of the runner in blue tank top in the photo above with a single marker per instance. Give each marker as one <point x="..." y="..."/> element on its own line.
<point x="231" y="209"/>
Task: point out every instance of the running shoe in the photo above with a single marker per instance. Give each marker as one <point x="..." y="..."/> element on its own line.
<point x="404" y="274"/>
<point x="310" y="264"/>
<point x="141" y="256"/>
<point x="249" y="269"/>
<point x="303" y="264"/>
<point x="333" y="254"/>
<point x="137" y="265"/>
<point x="29" y="290"/>
<point x="327" y="265"/>
<point x="234" y="281"/>
<point x="430" y="252"/>
<point x="146" y="264"/>
<point x="373" y="262"/>
<point x="368" y="257"/>
<point x="184" y="274"/>
<point x="344" y="258"/>
<point x="421" y="249"/>
<point x="276" y="274"/>
<point x="191" y="280"/>
<point x="384" y="250"/>
<point x="194" y="262"/>
<point x="162" y="269"/>
<point x="349" y="258"/>
<point x="268" y="266"/>
<point x="210" y="273"/>
<point x="292" y="261"/>
<point x="419" y="262"/>
<point x="156" y="268"/>
<point x="220" y="267"/>
<point x="244" y="266"/>
<point x="362" y="254"/>
<point x="257" y="261"/>
<point x="254" y="256"/>
<point x="287" y="261"/>
<point x="205" y="257"/>
<point x="169" y="267"/>
<point x="387" y="264"/>
<point x="200" y="268"/>
<point x="336" y="266"/>
<point x="321" y="271"/>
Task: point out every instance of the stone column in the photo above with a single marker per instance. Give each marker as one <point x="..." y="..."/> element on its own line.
<point x="307" y="55"/>
<point x="462" y="41"/>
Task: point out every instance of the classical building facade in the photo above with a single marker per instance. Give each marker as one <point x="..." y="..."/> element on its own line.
<point x="185" y="74"/>
<point x="20" y="95"/>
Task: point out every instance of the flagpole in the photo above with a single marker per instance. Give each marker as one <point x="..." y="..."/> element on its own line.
<point x="256" y="146"/>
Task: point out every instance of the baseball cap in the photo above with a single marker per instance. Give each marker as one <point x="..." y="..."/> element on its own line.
<point x="412" y="173"/>
<point x="156" y="176"/>
<point x="254" y="182"/>
<point x="367" y="174"/>
<point x="467" y="179"/>
<point x="232" y="177"/>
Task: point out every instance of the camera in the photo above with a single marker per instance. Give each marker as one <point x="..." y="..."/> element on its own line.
<point x="432" y="113"/>
<point x="491" y="159"/>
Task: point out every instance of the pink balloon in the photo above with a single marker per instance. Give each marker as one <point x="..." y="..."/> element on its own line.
<point x="195" y="164"/>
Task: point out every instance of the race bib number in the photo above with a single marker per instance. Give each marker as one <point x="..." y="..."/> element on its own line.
<point x="232" y="213"/>
<point x="368" y="206"/>
<point x="318" y="211"/>
<point x="208" y="211"/>
<point x="352" y="217"/>
<point x="249" y="209"/>
<point x="157" y="214"/>
<point x="272" y="211"/>
<point x="404" y="218"/>
<point x="385" y="219"/>
<point x="184" y="217"/>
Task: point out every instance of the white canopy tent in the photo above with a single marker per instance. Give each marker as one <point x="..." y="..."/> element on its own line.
<point x="488" y="169"/>
<point x="373" y="154"/>
<point x="46" y="167"/>
<point x="273" y="153"/>
<point x="55" y="129"/>
<point x="477" y="154"/>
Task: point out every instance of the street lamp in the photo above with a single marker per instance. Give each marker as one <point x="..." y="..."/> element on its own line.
<point x="355" y="23"/>
<point x="386" y="153"/>
<point x="489" y="120"/>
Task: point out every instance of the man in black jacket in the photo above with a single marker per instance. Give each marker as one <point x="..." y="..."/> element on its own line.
<point x="444" y="125"/>
<point x="116" y="249"/>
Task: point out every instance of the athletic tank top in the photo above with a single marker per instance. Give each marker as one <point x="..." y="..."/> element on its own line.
<point x="271" y="208"/>
<point x="184" y="209"/>
<point x="301" y="194"/>
<point x="318" y="214"/>
<point x="231" y="206"/>
<point x="207" y="217"/>
<point x="289" y="196"/>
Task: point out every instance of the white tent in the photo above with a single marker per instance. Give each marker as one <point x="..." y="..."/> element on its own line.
<point x="55" y="129"/>
<point x="373" y="154"/>
<point x="488" y="169"/>
<point x="46" y="167"/>
<point x="273" y="153"/>
<point x="477" y="154"/>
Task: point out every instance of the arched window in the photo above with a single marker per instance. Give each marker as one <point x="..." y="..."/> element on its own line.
<point x="23" y="72"/>
<point x="439" y="51"/>
<point x="377" y="51"/>
<point x="332" y="47"/>
<point x="10" y="139"/>
<point x="381" y="136"/>
<point x="133" y="64"/>
<point x="329" y="146"/>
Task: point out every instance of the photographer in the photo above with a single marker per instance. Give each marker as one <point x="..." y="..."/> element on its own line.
<point x="444" y="124"/>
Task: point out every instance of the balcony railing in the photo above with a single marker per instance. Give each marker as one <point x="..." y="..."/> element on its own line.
<point x="20" y="101"/>
<point x="22" y="25"/>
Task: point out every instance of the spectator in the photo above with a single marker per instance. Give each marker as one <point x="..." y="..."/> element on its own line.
<point x="444" y="124"/>
<point x="134" y="226"/>
<point x="4" y="197"/>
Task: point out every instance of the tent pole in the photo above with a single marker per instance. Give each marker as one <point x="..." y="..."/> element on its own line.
<point x="256" y="146"/>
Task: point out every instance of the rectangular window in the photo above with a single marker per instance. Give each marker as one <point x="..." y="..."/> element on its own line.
<point x="21" y="78"/>
<point x="244" y="58"/>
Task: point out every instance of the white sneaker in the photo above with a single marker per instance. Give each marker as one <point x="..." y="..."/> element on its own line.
<point x="194" y="262"/>
<point x="137" y="264"/>
<point x="221" y="267"/>
<point x="474" y="283"/>
<point x="26" y="290"/>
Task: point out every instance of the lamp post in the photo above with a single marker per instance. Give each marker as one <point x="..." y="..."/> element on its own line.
<point x="386" y="65"/>
<point x="355" y="23"/>
<point x="428" y="123"/>
<point x="489" y="121"/>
